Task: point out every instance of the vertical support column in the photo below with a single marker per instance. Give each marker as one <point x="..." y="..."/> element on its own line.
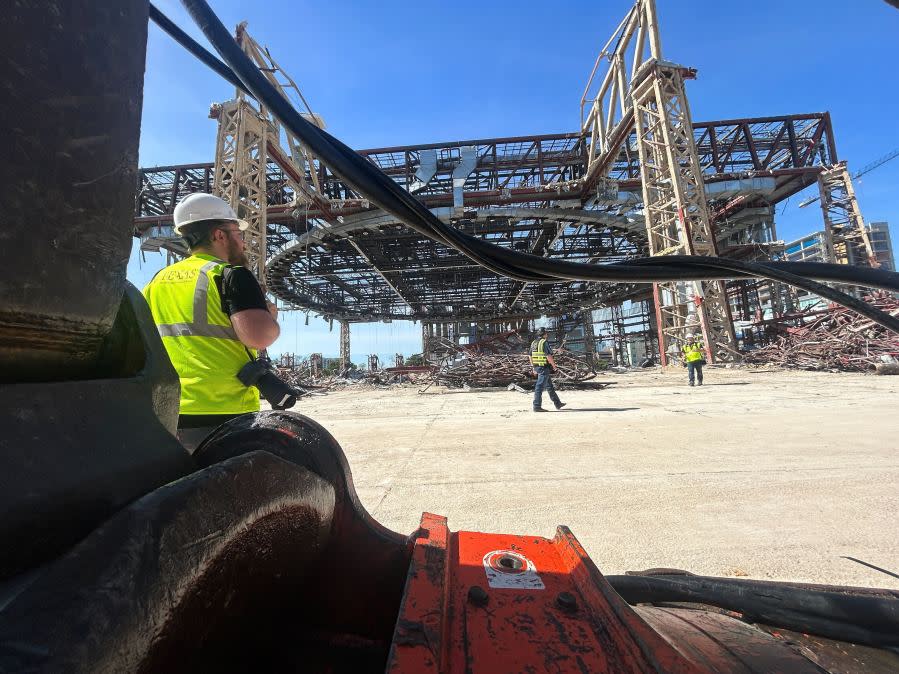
<point x="344" y="345"/>
<point x="240" y="174"/>
<point x="619" y="340"/>
<point x="426" y="341"/>
<point x="676" y="213"/>
<point x="589" y="336"/>
<point x="398" y="360"/>
<point x="846" y="238"/>
<point x="316" y="364"/>
<point x="743" y="304"/>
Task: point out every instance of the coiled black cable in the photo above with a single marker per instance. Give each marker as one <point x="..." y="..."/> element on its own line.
<point x="858" y="615"/>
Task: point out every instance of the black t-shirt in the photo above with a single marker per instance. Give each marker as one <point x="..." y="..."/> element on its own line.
<point x="240" y="290"/>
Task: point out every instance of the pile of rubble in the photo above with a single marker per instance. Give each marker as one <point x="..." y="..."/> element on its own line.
<point x="496" y="360"/>
<point x="303" y="377"/>
<point x="838" y="339"/>
<point x="502" y="360"/>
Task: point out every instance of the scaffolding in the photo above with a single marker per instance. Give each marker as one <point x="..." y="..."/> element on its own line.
<point x="642" y="90"/>
<point x="240" y="173"/>
<point x="624" y="332"/>
<point x="677" y="216"/>
<point x="249" y="145"/>
<point x="846" y="239"/>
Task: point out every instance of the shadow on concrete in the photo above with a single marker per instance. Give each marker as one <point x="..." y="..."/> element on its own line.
<point x="598" y="409"/>
<point x="727" y="383"/>
<point x="871" y="566"/>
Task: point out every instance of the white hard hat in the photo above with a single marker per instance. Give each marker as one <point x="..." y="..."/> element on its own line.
<point x="200" y="206"/>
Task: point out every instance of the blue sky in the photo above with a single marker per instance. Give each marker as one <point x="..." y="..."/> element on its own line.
<point x="391" y="73"/>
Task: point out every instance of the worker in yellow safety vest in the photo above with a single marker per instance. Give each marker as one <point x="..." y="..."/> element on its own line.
<point x="544" y="365"/>
<point x="212" y="316"/>
<point x="693" y="358"/>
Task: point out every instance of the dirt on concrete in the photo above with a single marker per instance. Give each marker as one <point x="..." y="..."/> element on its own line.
<point x="771" y="475"/>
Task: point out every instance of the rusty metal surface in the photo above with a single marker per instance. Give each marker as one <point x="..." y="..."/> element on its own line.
<point x="361" y="574"/>
<point x="495" y="603"/>
<point x="188" y="578"/>
<point x="724" y="644"/>
<point x="70" y="452"/>
<point x="72" y="77"/>
<point x="838" y="657"/>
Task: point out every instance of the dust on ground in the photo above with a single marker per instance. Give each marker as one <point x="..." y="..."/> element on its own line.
<point x="772" y="475"/>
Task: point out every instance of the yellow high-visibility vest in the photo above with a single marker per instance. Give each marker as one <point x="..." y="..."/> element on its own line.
<point x="692" y="351"/>
<point x="197" y="334"/>
<point x="538" y="357"/>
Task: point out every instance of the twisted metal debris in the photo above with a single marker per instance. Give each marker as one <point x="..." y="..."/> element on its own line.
<point x="836" y="339"/>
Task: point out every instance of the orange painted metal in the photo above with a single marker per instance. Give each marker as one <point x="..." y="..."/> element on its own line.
<point x="537" y="605"/>
<point x="479" y="603"/>
<point x="420" y="628"/>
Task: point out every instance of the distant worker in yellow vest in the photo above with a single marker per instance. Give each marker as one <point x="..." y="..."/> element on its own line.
<point x="693" y="358"/>
<point x="544" y="366"/>
<point x="212" y="316"/>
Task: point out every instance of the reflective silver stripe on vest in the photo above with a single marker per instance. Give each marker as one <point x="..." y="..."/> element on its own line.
<point x="201" y="327"/>
<point x="201" y="309"/>
<point x="194" y="330"/>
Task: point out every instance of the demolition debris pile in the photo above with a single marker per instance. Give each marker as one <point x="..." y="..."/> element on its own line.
<point x="310" y="378"/>
<point x="838" y="339"/>
<point x="501" y="360"/>
<point x="495" y="360"/>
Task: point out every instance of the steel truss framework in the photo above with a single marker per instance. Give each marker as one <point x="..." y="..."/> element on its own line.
<point x="369" y="267"/>
<point x="846" y="238"/>
<point x="638" y="179"/>
<point x="640" y="89"/>
<point x="240" y="173"/>
<point x="622" y="324"/>
<point x="248" y="142"/>
<point x="676" y="213"/>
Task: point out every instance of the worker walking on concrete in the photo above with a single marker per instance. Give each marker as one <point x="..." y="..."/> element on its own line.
<point x="544" y="366"/>
<point x="212" y="315"/>
<point x="693" y="358"/>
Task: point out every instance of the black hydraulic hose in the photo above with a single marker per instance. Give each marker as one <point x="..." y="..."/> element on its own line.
<point x="820" y="271"/>
<point x="390" y="197"/>
<point x="857" y="615"/>
<point x="191" y="45"/>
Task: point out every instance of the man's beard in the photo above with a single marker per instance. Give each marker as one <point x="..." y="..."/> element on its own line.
<point x="236" y="255"/>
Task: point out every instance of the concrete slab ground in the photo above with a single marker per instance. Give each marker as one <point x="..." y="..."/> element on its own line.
<point x="770" y="475"/>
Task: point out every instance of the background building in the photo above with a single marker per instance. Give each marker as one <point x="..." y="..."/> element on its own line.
<point x="882" y="245"/>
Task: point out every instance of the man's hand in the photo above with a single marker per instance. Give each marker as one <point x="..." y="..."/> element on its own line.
<point x="272" y="309"/>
